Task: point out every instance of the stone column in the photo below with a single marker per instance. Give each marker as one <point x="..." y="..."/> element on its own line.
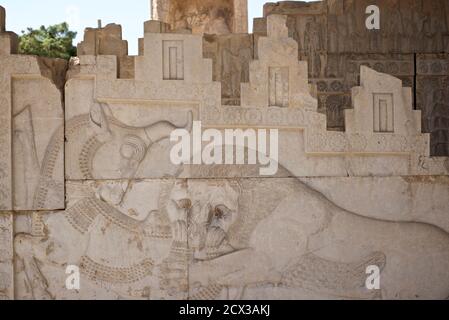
<point x="159" y="10"/>
<point x="5" y="121"/>
<point x="2" y="19"/>
<point x="240" y="16"/>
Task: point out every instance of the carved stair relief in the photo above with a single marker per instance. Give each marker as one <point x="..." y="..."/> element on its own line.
<point x="279" y="87"/>
<point x="173" y="60"/>
<point x="383" y="113"/>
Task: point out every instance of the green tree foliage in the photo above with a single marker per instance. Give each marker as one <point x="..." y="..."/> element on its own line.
<point x="54" y="41"/>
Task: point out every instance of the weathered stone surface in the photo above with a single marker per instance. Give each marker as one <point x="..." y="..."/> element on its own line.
<point x="6" y="256"/>
<point x="9" y="43"/>
<point x="342" y="72"/>
<point x="108" y="41"/>
<point x="104" y="41"/>
<point x="273" y="246"/>
<point x="406" y="26"/>
<point x="231" y="56"/>
<point x="189" y="238"/>
<point x="277" y="77"/>
<point x="167" y="91"/>
<point x="203" y="17"/>
<point x="2" y="19"/>
<point x="140" y="227"/>
<point x="332" y="36"/>
<point x="120" y="241"/>
<point x="433" y="100"/>
<point x="387" y="106"/>
<point x="32" y="131"/>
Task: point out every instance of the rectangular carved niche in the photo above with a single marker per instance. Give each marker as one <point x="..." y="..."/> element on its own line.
<point x="383" y="114"/>
<point x="173" y="60"/>
<point x="278" y="83"/>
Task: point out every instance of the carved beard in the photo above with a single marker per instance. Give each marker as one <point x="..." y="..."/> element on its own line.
<point x="216" y="244"/>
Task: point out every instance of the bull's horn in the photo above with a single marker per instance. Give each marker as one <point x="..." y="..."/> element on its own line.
<point x="163" y="129"/>
<point x="99" y="121"/>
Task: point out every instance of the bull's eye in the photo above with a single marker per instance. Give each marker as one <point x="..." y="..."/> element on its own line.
<point x="127" y="151"/>
<point x="133" y="148"/>
<point x="219" y="212"/>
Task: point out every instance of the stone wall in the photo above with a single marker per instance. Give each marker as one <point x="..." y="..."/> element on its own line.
<point x="333" y="38"/>
<point x="203" y="17"/>
<point x="86" y="178"/>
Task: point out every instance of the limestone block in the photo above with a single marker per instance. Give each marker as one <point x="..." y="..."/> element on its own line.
<point x="5" y="145"/>
<point x="332" y="36"/>
<point x="231" y="56"/>
<point x="307" y="25"/>
<point x="390" y="198"/>
<point x="240" y="16"/>
<point x="108" y="41"/>
<point x="382" y="105"/>
<point x="342" y="72"/>
<point x="172" y="83"/>
<point x="406" y="26"/>
<point x="9" y="43"/>
<point x="279" y="70"/>
<point x="105" y="41"/>
<point x="33" y="134"/>
<point x="260" y="26"/>
<point x="175" y="57"/>
<point x="433" y="100"/>
<point x="204" y="17"/>
<point x="126" y="67"/>
<point x="305" y="148"/>
<point x="2" y="19"/>
<point x="153" y="26"/>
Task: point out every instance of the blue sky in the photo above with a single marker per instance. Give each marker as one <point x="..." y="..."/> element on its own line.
<point x="84" y="13"/>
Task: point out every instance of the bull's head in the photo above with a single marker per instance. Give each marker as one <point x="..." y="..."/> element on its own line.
<point x="124" y="148"/>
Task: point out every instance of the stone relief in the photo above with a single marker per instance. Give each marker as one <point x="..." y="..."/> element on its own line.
<point x="32" y="133"/>
<point x="433" y="97"/>
<point x="231" y="56"/>
<point x="216" y="239"/>
<point x="37" y="154"/>
<point x="308" y="268"/>
<point x="108" y="138"/>
<point x="203" y="17"/>
<point x="138" y="227"/>
<point x="207" y="17"/>
<point x="116" y="247"/>
<point x="6" y="257"/>
<point x="342" y="43"/>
